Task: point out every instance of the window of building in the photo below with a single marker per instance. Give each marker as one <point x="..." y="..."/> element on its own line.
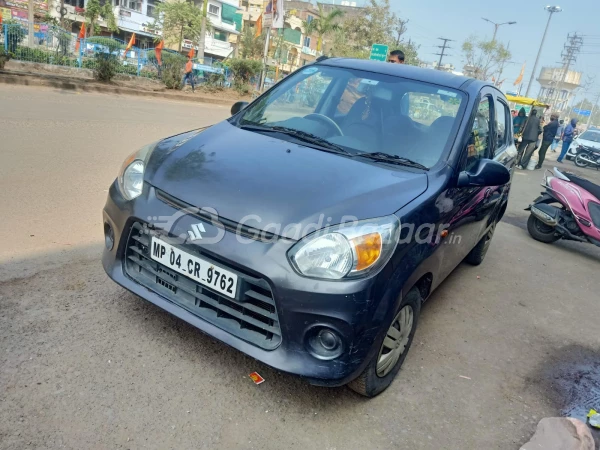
<point x="220" y="36"/>
<point x="151" y="8"/>
<point x="309" y="18"/>
<point x="307" y="41"/>
<point x="134" y="5"/>
<point x="214" y="10"/>
<point x="75" y="3"/>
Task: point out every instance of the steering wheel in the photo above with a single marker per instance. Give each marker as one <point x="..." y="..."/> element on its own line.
<point x="327" y="121"/>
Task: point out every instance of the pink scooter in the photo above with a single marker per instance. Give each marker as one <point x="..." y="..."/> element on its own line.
<point x="569" y="209"/>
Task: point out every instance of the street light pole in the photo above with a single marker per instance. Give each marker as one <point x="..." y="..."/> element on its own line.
<point x="551" y="10"/>
<point x="496" y="26"/>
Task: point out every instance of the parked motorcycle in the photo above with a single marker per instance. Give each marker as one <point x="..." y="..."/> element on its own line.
<point x="568" y="209"/>
<point x="587" y="156"/>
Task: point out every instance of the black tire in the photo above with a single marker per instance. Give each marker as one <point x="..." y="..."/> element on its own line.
<point x="369" y="383"/>
<point x="477" y="254"/>
<point x="540" y="231"/>
<point x="580" y="162"/>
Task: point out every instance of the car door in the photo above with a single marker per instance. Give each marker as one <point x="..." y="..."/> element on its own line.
<point x="505" y="153"/>
<point x="467" y="207"/>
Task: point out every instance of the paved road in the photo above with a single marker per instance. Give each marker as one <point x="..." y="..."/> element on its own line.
<point x="87" y="365"/>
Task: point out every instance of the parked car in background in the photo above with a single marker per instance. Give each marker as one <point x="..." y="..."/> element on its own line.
<point x="589" y="139"/>
<point x="307" y="229"/>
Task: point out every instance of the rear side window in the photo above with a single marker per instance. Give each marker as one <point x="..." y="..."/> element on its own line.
<point x="502" y="125"/>
<point x="478" y="146"/>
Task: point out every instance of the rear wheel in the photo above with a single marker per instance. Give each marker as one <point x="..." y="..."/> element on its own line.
<point x="382" y="369"/>
<point x="579" y="161"/>
<point x="540" y="231"/>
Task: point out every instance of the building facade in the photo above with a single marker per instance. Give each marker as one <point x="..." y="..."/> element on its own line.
<point x="556" y="88"/>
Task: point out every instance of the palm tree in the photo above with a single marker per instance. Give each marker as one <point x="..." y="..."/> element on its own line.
<point x="323" y="25"/>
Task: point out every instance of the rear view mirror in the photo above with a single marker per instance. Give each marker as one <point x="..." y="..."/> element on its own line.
<point x="486" y="173"/>
<point x="237" y="107"/>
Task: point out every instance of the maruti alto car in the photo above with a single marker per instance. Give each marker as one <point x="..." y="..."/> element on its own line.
<point x="308" y="228"/>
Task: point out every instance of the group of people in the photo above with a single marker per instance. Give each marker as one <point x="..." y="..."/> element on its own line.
<point x="532" y="130"/>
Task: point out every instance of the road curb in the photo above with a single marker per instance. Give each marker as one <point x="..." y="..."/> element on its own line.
<point x="59" y="82"/>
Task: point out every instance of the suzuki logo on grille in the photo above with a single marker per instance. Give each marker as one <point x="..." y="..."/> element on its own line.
<point x="195" y="232"/>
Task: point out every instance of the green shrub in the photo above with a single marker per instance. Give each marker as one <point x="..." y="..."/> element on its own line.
<point x="244" y="69"/>
<point x="88" y="63"/>
<point x="242" y="88"/>
<point x="4" y="57"/>
<point x="171" y="76"/>
<point x="129" y="69"/>
<point x="106" y="67"/>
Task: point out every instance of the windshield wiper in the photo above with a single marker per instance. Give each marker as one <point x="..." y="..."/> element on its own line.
<point x="394" y="159"/>
<point x="302" y="136"/>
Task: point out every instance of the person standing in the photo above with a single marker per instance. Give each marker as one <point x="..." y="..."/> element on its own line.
<point x="561" y="127"/>
<point x="567" y="138"/>
<point x="531" y="132"/>
<point x="396" y="57"/>
<point x="547" y="138"/>
<point x="189" y="75"/>
<point x="519" y="121"/>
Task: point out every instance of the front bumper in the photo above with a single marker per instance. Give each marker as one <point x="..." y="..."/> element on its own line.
<point x="357" y="310"/>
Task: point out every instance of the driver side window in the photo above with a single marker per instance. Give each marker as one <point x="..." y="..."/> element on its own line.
<point x="479" y="146"/>
<point x="300" y="101"/>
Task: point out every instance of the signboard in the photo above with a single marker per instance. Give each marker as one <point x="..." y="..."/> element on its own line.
<point x="379" y="52"/>
<point x="267" y="20"/>
<point x="582" y="112"/>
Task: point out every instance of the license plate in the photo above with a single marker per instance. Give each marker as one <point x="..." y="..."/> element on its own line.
<point x="204" y="272"/>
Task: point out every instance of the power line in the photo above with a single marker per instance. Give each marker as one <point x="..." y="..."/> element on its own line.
<point x="442" y="53"/>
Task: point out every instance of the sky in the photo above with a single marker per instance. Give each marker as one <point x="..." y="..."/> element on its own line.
<point x="458" y="19"/>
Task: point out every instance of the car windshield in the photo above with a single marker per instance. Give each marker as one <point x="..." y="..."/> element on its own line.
<point x="361" y="112"/>
<point x="593" y="136"/>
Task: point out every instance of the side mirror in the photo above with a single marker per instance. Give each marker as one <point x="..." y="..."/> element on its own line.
<point x="486" y="173"/>
<point x="237" y="107"/>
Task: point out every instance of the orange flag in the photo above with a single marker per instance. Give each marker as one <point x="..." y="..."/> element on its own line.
<point x="258" y="27"/>
<point x="131" y="42"/>
<point x="80" y="37"/>
<point x="191" y="53"/>
<point x="520" y="77"/>
<point x="158" y="52"/>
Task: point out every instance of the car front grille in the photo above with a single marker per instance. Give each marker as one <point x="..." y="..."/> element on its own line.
<point x="253" y="319"/>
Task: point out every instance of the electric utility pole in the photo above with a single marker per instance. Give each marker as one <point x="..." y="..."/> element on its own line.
<point x="569" y="56"/>
<point x="442" y="52"/>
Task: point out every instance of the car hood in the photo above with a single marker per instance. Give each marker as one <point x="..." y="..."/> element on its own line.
<point x="586" y="143"/>
<point x="273" y="185"/>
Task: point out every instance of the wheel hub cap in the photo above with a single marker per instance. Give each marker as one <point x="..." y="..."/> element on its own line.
<point x="395" y="341"/>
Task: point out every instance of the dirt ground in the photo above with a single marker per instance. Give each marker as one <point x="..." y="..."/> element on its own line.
<point x="87" y="365"/>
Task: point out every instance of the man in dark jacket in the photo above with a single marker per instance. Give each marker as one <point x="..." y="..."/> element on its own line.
<point x="547" y="138"/>
<point x="531" y="133"/>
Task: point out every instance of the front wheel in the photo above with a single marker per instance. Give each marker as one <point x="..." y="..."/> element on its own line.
<point x="579" y="161"/>
<point x="477" y="254"/>
<point x="382" y="369"/>
<point x="540" y="231"/>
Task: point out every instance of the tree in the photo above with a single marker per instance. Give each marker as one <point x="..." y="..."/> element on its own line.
<point x="252" y="46"/>
<point x="94" y="11"/>
<point x="378" y="25"/>
<point x="202" y="39"/>
<point x="482" y="57"/>
<point x="323" y="25"/>
<point x="178" y="20"/>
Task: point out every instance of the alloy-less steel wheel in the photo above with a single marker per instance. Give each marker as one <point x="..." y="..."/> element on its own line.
<point x="382" y="369"/>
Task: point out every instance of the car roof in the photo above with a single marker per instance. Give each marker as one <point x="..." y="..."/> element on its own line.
<point x="406" y="71"/>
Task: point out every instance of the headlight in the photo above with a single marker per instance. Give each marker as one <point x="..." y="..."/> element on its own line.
<point x="347" y="250"/>
<point x="131" y="174"/>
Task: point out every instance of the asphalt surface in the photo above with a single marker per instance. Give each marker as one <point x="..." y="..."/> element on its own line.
<point x="85" y="364"/>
